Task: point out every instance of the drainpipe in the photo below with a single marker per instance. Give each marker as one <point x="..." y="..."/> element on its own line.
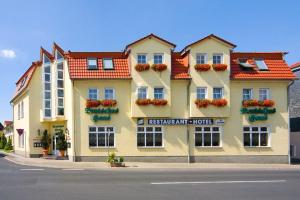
<point x="187" y="126"/>
<point x="73" y="132"/>
<point x="289" y="131"/>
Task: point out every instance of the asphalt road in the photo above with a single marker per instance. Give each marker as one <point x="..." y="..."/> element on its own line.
<point x="32" y="183"/>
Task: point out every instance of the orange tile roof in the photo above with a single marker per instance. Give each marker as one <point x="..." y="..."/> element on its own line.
<point x="77" y="62"/>
<point x="277" y="67"/>
<point x="180" y="66"/>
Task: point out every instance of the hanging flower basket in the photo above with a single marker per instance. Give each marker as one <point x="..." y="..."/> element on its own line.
<point x="108" y="103"/>
<point x="92" y="103"/>
<point x="143" y="102"/>
<point x="202" y="67"/>
<point x="219" y="102"/>
<point x="266" y="103"/>
<point x="219" y="67"/>
<point x="159" y="67"/>
<point x="142" y="67"/>
<point x="251" y="102"/>
<point x="159" y="102"/>
<point x="202" y="103"/>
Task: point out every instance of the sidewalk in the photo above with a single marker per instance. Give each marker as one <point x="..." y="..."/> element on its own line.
<point x="66" y="164"/>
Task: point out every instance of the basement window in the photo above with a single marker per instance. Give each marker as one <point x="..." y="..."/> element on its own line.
<point x="108" y="63"/>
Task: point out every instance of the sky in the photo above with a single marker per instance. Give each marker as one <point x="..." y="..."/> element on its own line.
<point x="95" y="25"/>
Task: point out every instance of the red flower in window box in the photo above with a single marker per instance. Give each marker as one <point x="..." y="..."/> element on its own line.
<point x="159" y="67"/>
<point x="202" y="67"/>
<point x="108" y="103"/>
<point x="159" y="102"/>
<point x="219" y="102"/>
<point x="142" y="67"/>
<point x="219" y="67"/>
<point x="266" y="103"/>
<point x="202" y="103"/>
<point x="251" y="102"/>
<point x="92" y="103"/>
<point x="143" y="102"/>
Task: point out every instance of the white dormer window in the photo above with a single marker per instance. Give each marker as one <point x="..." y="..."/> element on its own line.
<point x="46" y="59"/>
<point x="58" y="56"/>
<point x="141" y="59"/>
<point x="158" y="58"/>
<point x="217" y="58"/>
<point x="108" y="63"/>
<point x="201" y="58"/>
<point x="92" y="63"/>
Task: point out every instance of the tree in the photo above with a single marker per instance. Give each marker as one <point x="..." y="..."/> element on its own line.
<point x="46" y="140"/>
<point x="2" y="141"/>
<point x="8" y="145"/>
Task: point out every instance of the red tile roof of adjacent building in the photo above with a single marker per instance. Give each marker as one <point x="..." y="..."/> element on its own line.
<point x="295" y="65"/>
<point x="7" y="123"/>
<point x="77" y="62"/>
<point x="277" y="67"/>
<point x="180" y="66"/>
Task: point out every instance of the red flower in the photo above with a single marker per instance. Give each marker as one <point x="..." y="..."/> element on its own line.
<point x="202" y="67"/>
<point x="159" y="102"/>
<point x="219" y="67"/>
<point x="202" y="103"/>
<point x="219" y="102"/>
<point x="143" y="102"/>
<point x="92" y="103"/>
<point x="159" y="67"/>
<point x="108" y="102"/>
<point x="251" y="102"/>
<point x="142" y="67"/>
<point x="266" y="103"/>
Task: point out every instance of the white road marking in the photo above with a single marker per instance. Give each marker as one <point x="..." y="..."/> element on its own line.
<point x="209" y="182"/>
<point x="72" y="169"/>
<point x="37" y="169"/>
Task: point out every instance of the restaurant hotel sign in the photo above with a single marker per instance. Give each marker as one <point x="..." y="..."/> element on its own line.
<point x="176" y="121"/>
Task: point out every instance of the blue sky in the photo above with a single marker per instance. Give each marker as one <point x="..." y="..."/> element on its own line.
<point x="110" y="25"/>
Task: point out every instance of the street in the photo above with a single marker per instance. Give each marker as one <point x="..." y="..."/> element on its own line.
<point x="30" y="183"/>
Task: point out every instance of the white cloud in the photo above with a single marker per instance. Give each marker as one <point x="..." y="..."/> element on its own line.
<point x="7" y="53"/>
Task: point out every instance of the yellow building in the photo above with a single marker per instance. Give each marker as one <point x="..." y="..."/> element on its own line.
<point x="205" y="103"/>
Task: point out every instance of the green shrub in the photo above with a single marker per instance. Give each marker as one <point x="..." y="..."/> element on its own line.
<point x="61" y="143"/>
<point x="8" y="145"/>
<point x="46" y="140"/>
<point x="113" y="159"/>
<point x="3" y="141"/>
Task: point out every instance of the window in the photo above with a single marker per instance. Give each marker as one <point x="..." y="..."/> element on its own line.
<point x="21" y="140"/>
<point x="101" y="136"/>
<point x="208" y="136"/>
<point x="92" y="63"/>
<point x="19" y="112"/>
<point x="247" y="94"/>
<point x="201" y="58"/>
<point x="109" y="93"/>
<point x="217" y="93"/>
<point x="142" y="93"/>
<point x="159" y="93"/>
<point x="263" y="94"/>
<point x="149" y="136"/>
<point x="217" y="58"/>
<point x="201" y="93"/>
<point x="93" y="94"/>
<point x="158" y="58"/>
<point x="108" y="63"/>
<point x="141" y="59"/>
<point x="47" y="88"/>
<point x="22" y="110"/>
<point x="59" y="56"/>
<point x="23" y="83"/>
<point x="60" y="89"/>
<point x="261" y="65"/>
<point x="256" y="136"/>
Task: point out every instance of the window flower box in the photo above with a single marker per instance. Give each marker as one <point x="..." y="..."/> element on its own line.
<point x="142" y="67"/>
<point x="266" y="103"/>
<point x="219" y="67"/>
<point x="143" y="102"/>
<point x="159" y="67"/>
<point x="92" y="103"/>
<point x="159" y="102"/>
<point x="108" y="103"/>
<point x="202" y="67"/>
<point x="219" y="102"/>
<point x="251" y="102"/>
<point x="254" y="102"/>
<point x="202" y="103"/>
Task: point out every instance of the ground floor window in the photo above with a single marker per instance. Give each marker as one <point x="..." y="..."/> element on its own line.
<point x="207" y="136"/>
<point x="101" y="136"/>
<point x="148" y="136"/>
<point x="256" y="136"/>
<point x="21" y="140"/>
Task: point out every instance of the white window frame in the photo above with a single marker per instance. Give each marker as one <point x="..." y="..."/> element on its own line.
<point x="113" y="93"/>
<point x="88" y="65"/>
<point x="21" y="140"/>
<point x="106" y="134"/>
<point x="162" y="94"/>
<point x="251" y="93"/>
<point x="48" y="64"/>
<point x="267" y="93"/>
<point x="19" y="111"/>
<point x="259" y="136"/>
<point x="153" y="133"/>
<point x="142" y="87"/>
<point x="199" y="58"/>
<point x="198" y="92"/>
<point x="57" y="89"/>
<point x="220" y="132"/>
<point x="221" y="59"/>
<point x="137" y="58"/>
<point x="88" y="95"/>
<point x="105" y="67"/>
<point x="162" y="58"/>
<point x="222" y="92"/>
<point x="22" y="109"/>
<point x="60" y="59"/>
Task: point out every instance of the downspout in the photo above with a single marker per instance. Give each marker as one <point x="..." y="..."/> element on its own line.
<point x="289" y="131"/>
<point x="187" y="126"/>
<point x="73" y="116"/>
